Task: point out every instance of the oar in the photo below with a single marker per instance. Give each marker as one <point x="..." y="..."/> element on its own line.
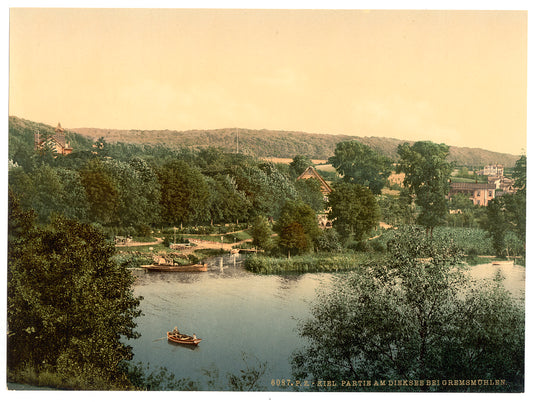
<point x="160" y="339"/>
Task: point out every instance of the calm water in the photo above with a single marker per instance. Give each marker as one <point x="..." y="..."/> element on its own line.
<point x="235" y="313"/>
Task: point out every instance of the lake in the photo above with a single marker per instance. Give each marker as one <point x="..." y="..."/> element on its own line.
<point x="242" y="318"/>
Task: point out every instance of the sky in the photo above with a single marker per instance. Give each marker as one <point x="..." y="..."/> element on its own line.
<point x="457" y="77"/>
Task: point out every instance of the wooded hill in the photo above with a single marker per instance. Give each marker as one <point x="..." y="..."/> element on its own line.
<point x="261" y="143"/>
<point x="282" y="144"/>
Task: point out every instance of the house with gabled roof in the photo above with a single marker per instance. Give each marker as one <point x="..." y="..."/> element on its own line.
<point x="311" y="173"/>
<point x="57" y="141"/>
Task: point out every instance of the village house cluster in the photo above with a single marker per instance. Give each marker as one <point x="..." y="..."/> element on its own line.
<point x="481" y="193"/>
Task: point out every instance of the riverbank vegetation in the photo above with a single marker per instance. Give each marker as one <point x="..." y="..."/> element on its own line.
<point x="411" y="317"/>
<point x="318" y="262"/>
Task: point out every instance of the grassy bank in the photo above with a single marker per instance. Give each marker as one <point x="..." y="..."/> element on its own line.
<point x="134" y="258"/>
<point x="473" y="242"/>
<point x="302" y="264"/>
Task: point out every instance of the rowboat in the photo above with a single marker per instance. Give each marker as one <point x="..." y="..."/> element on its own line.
<point x="176" y="268"/>
<point x="183" y="339"/>
<point x="506" y="262"/>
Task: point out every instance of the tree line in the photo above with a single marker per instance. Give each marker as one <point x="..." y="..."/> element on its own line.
<point x="129" y="189"/>
<point x="187" y="187"/>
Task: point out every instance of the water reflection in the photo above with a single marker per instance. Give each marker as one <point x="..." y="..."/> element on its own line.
<point x="514" y="276"/>
<point x="184" y="346"/>
<point x="236" y="312"/>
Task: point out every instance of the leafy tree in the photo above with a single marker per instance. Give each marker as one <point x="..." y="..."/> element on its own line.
<point x="211" y="160"/>
<point x="466" y="214"/>
<point x="506" y="214"/>
<point x="520" y="174"/>
<point x="293" y="237"/>
<point x="329" y="241"/>
<point x="297" y="226"/>
<point x="261" y="233"/>
<point x="298" y="165"/>
<point x="74" y="203"/>
<point x="353" y="210"/>
<point x="254" y="184"/>
<point x="138" y="192"/>
<point x="49" y="192"/>
<point x="102" y="192"/>
<point x="101" y="147"/>
<point x="394" y="210"/>
<point x="358" y="163"/>
<point x="184" y="194"/>
<point x="22" y="185"/>
<point x="132" y="207"/>
<point x="309" y="191"/>
<point x="21" y="148"/>
<point x="68" y="303"/>
<point x="280" y="188"/>
<point x="426" y="176"/>
<point x="265" y="188"/>
<point x="150" y="191"/>
<point x="415" y="316"/>
<point x="227" y="203"/>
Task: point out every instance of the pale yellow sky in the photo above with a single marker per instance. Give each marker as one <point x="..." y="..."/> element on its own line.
<point x="457" y="77"/>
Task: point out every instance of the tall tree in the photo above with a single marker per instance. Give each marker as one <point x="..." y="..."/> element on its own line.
<point x="102" y="192"/>
<point x="520" y="174"/>
<point x="22" y="185"/>
<point x="297" y="226"/>
<point x="227" y="203"/>
<point x="184" y="194"/>
<point x="280" y="188"/>
<point x="310" y="192"/>
<point x="353" y="210"/>
<point x="427" y="173"/>
<point x="264" y="186"/>
<point x="150" y="190"/>
<point x="507" y="214"/>
<point x="261" y="233"/>
<point x="298" y="165"/>
<point x="358" y="163"/>
<point x="68" y="303"/>
<point x="74" y="203"/>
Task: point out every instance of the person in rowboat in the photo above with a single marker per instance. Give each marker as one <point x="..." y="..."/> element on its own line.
<point x="175" y="331"/>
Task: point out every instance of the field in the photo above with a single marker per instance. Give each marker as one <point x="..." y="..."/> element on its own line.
<point x="289" y="160"/>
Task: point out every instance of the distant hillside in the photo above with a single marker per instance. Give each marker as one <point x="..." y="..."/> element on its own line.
<point x="260" y="143"/>
<point x="281" y="144"/>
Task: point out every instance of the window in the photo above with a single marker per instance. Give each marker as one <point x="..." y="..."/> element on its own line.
<point x="490" y="193"/>
<point x="479" y="193"/>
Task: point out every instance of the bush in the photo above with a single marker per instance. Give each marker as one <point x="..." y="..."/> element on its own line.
<point x="144" y="231"/>
<point x="320" y="262"/>
<point x="377" y="245"/>
<point x="361" y="246"/>
<point x="329" y="241"/>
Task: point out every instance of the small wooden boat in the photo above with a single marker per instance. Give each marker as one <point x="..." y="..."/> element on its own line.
<point x="506" y="262"/>
<point x="176" y="268"/>
<point x="183" y="339"/>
